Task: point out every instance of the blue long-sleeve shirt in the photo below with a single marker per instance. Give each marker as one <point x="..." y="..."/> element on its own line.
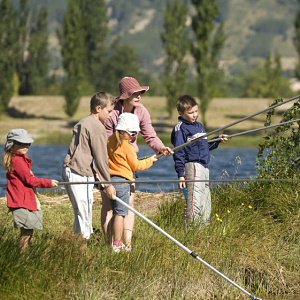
<point x="197" y="152"/>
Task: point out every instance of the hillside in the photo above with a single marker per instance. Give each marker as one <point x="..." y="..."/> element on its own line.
<point x="253" y="29"/>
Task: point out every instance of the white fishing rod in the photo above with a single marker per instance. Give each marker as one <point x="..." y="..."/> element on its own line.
<point x="253" y="130"/>
<point x="194" y="255"/>
<point x="231" y="124"/>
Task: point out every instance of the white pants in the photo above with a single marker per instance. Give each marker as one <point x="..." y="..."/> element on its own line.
<point x="81" y="197"/>
<point x="198" y="200"/>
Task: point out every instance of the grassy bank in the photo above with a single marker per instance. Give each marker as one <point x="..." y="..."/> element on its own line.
<point x="44" y="118"/>
<point x="253" y="238"/>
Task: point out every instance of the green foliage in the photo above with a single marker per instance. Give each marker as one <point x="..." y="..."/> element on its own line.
<point x="176" y="43"/>
<point x="271" y="26"/>
<point x="267" y="81"/>
<point x="120" y="61"/>
<point x="72" y="91"/>
<point x="209" y="40"/>
<point x="95" y="26"/>
<point x="278" y="156"/>
<point x="8" y="41"/>
<point x="35" y="67"/>
<point x="297" y="40"/>
<point x="259" y="45"/>
<point x="73" y="52"/>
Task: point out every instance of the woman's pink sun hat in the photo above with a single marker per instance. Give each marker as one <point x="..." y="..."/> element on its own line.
<point x="128" y="86"/>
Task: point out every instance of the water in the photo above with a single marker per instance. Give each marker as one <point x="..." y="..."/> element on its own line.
<point x="237" y="163"/>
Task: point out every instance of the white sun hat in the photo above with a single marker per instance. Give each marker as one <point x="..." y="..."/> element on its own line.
<point x="128" y="122"/>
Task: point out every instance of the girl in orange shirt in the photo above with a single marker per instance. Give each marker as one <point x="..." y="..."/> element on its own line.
<point x="123" y="161"/>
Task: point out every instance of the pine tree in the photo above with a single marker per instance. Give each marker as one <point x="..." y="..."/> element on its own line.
<point x="24" y="21"/>
<point x="35" y="66"/>
<point x="8" y="40"/>
<point x="95" y="29"/>
<point x="209" y="40"/>
<point x="297" y="40"/>
<point x="120" y="61"/>
<point x="176" y="44"/>
<point x="73" y="51"/>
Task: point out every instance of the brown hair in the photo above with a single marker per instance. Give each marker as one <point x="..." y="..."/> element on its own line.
<point x="185" y="102"/>
<point x="101" y="99"/>
<point x="6" y="161"/>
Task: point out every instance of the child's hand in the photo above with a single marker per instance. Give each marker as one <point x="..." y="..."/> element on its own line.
<point x="181" y="185"/>
<point x="223" y="138"/>
<point x="54" y="183"/>
<point x="154" y="158"/>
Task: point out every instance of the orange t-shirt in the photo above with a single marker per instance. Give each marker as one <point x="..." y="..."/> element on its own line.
<point x="123" y="159"/>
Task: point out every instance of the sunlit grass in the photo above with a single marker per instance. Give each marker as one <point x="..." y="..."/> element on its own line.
<point x="256" y="244"/>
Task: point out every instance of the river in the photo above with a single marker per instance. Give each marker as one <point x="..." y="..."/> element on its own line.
<point x="225" y="162"/>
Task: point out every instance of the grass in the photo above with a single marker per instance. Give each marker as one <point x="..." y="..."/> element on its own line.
<point x="253" y="239"/>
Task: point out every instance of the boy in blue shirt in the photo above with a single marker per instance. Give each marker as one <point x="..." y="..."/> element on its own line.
<point x="192" y="160"/>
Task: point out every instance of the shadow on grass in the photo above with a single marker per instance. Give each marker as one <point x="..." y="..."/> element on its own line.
<point x="14" y="113"/>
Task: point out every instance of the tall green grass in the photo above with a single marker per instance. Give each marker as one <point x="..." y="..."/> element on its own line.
<point x="253" y="238"/>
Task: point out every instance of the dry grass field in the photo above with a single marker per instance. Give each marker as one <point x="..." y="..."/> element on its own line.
<point x="42" y="116"/>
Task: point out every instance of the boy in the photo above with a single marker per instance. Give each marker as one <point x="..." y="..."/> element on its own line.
<point x="87" y="160"/>
<point x="192" y="160"/>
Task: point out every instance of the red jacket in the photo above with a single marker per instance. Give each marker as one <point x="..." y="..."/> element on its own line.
<point x="20" y="183"/>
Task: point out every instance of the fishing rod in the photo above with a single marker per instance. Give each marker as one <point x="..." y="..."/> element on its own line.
<point x="194" y="255"/>
<point x="253" y="130"/>
<point x="177" y="181"/>
<point x="229" y="125"/>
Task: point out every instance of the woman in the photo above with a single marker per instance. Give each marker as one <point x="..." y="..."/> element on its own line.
<point x="129" y="101"/>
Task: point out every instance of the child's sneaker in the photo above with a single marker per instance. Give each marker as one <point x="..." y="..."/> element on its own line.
<point x="127" y="249"/>
<point x="118" y="246"/>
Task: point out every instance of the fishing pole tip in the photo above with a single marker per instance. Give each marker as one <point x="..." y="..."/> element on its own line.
<point x="256" y="298"/>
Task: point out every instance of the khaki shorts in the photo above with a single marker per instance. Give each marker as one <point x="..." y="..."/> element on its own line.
<point x="27" y="219"/>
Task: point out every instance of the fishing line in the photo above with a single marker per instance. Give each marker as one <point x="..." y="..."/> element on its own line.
<point x="229" y="125"/>
<point x="177" y="181"/>
<point x="253" y="130"/>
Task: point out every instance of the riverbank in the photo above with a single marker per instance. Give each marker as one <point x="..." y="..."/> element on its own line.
<point x="253" y="238"/>
<point x="44" y="118"/>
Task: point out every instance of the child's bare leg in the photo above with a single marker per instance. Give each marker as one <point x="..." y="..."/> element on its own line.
<point x="129" y="219"/>
<point x="25" y="237"/>
<point x="106" y="217"/>
<point x="118" y="227"/>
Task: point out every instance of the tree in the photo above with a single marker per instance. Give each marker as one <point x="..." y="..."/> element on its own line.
<point x="209" y="40"/>
<point x="95" y="31"/>
<point x="176" y="43"/>
<point x="120" y="61"/>
<point x="297" y="40"/>
<point x="278" y="155"/>
<point x="267" y="81"/>
<point x="35" y="66"/>
<point x="73" y="54"/>
<point x="8" y="40"/>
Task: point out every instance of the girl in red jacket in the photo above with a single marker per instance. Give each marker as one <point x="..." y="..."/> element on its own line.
<point x="21" y="199"/>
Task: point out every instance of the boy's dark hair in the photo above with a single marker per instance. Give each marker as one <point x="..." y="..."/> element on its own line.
<point x="185" y="102"/>
<point x="101" y="99"/>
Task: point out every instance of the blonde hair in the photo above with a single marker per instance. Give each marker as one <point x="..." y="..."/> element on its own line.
<point x="120" y="136"/>
<point x="6" y="161"/>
